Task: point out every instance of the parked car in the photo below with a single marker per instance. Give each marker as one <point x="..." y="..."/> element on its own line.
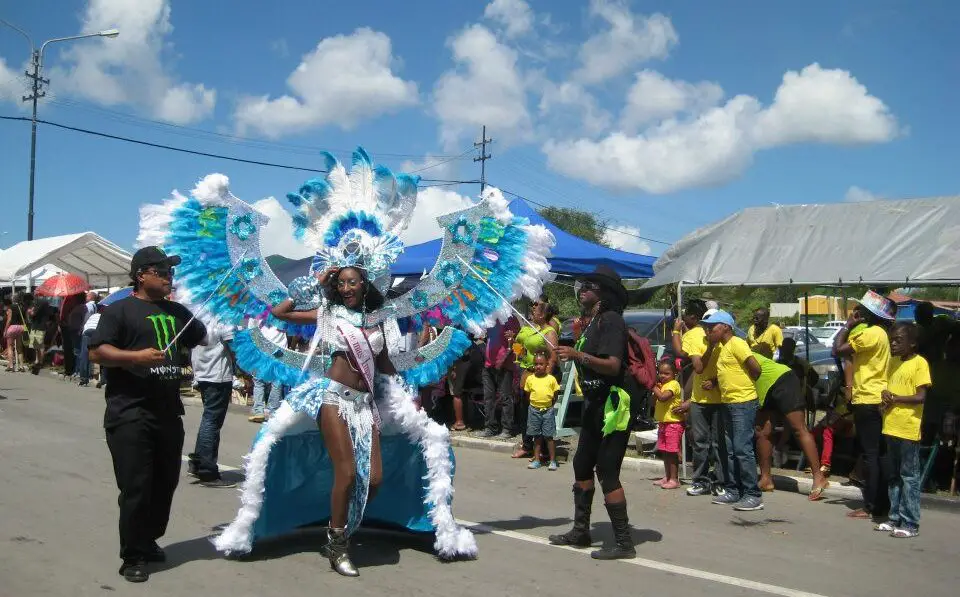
<point x="825" y="335"/>
<point x="802" y="338"/>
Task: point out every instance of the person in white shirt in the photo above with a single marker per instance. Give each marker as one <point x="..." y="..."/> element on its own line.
<point x="213" y="372"/>
<point x="273" y="392"/>
<point x="83" y="360"/>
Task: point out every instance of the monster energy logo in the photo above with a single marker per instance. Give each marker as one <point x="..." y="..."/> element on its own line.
<point x="165" y="327"/>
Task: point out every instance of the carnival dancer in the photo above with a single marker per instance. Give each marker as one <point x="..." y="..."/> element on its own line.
<point x="350" y="424"/>
<point x="600" y="356"/>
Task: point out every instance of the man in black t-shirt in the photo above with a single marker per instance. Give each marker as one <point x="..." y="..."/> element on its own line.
<point x="134" y="340"/>
<point x="600" y="356"/>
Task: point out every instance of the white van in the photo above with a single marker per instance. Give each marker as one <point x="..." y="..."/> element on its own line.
<point x="835" y="324"/>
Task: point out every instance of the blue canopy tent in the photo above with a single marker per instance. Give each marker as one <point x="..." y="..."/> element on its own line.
<point x="572" y="255"/>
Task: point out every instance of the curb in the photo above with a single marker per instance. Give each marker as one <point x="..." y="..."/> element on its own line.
<point x="795" y="484"/>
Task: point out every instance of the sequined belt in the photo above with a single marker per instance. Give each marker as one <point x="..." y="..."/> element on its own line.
<point x="335" y="391"/>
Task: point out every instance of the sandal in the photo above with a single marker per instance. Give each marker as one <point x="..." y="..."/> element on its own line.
<point x="817" y="492"/>
<point x="458" y="428"/>
<point x="860" y="514"/>
<point x="768" y="488"/>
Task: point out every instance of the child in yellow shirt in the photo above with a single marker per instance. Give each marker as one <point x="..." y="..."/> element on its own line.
<point x="542" y="389"/>
<point x="669" y="397"/>
<point x="908" y="381"/>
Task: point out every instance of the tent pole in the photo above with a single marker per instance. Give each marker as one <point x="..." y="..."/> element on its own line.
<point x="806" y="346"/>
<point x="683" y="438"/>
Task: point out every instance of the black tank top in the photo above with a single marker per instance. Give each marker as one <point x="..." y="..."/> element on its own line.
<point x="16" y="314"/>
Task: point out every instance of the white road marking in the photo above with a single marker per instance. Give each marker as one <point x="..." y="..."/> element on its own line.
<point x="642" y="562"/>
<point x="652" y="564"/>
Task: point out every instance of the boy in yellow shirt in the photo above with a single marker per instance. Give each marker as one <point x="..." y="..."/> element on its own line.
<point x="737" y="370"/>
<point x="669" y="397"/>
<point x="542" y="389"/>
<point x="908" y="381"/>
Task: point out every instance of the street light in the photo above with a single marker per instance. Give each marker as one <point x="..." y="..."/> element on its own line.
<point x="36" y="59"/>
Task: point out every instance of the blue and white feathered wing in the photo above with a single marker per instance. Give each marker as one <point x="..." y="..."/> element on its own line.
<point x="216" y="234"/>
<point x="488" y="258"/>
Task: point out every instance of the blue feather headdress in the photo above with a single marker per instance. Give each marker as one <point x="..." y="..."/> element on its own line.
<point x="355" y="219"/>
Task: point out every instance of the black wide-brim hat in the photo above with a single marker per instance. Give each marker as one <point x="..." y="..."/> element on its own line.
<point x="607" y="277"/>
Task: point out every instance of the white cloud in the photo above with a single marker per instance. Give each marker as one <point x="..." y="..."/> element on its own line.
<point x="514" y="16"/>
<point x="12" y="84"/>
<point x="654" y="97"/>
<point x="857" y="195"/>
<point x="568" y="106"/>
<point x="669" y="157"/>
<point x="431" y="203"/>
<point x="344" y="80"/>
<point x="486" y="88"/>
<point x="276" y="238"/>
<point x="128" y="69"/>
<point x="630" y="39"/>
<point x="825" y="106"/>
<point x="718" y="144"/>
<point x="623" y="237"/>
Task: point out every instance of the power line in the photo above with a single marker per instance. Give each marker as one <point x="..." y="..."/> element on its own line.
<point x="605" y="227"/>
<point x="441" y="162"/>
<point x="201" y="153"/>
<point x="198" y="133"/>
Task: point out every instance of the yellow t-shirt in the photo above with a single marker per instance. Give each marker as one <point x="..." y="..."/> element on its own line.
<point x="664" y="409"/>
<point x="694" y="343"/>
<point x="766" y="343"/>
<point x="903" y="420"/>
<point x="735" y="383"/>
<point x="541" y="390"/>
<point x="871" y="358"/>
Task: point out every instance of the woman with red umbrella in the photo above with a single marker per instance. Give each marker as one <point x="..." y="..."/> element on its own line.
<point x="72" y="287"/>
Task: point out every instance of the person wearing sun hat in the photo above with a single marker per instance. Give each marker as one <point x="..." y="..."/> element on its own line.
<point x="870" y="352"/>
<point x="600" y="356"/>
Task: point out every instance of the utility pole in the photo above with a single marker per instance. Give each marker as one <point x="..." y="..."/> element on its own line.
<point x="36" y="94"/>
<point x="484" y="156"/>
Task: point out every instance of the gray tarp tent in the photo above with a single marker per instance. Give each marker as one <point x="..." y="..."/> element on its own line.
<point x="86" y="254"/>
<point x="901" y="243"/>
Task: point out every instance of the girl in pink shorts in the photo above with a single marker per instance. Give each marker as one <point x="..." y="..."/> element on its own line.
<point x="669" y="397"/>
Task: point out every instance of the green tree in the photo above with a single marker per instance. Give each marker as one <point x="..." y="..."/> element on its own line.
<point x="584" y="225"/>
<point x="576" y="222"/>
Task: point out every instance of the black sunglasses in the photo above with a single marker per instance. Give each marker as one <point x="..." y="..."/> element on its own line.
<point x="161" y="272"/>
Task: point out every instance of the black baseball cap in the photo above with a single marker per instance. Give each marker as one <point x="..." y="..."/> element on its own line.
<point x="151" y="256"/>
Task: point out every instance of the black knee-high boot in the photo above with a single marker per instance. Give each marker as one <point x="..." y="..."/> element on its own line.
<point x="579" y="535"/>
<point x="623" y="548"/>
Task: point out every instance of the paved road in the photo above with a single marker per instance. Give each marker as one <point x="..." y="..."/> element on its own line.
<point x="58" y="530"/>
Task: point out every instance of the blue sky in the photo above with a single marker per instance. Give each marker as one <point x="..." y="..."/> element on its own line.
<point x="658" y="116"/>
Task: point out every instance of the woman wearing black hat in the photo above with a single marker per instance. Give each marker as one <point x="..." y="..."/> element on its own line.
<point x="600" y="356"/>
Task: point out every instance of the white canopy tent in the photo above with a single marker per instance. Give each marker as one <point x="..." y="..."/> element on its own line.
<point x="901" y="243"/>
<point x="86" y="254"/>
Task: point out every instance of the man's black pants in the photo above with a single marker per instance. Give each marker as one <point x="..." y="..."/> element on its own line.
<point x="146" y="453"/>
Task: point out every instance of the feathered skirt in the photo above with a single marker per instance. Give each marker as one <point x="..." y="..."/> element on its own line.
<point x="289" y="474"/>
